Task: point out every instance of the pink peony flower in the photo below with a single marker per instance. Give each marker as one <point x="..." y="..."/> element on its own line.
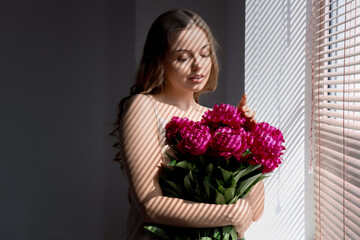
<point x="173" y="128"/>
<point x="195" y="139"/>
<point x="228" y="142"/>
<point x="266" y="146"/>
<point x="223" y="114"/>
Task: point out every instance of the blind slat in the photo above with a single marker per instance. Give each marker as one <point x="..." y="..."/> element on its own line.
<point x="338" y="131"/>
<point x="337" y="49"/>
<point x="346" y="116"/>
<point x="338" y="123"/>
<point x="336" y="160"/>
<point x="340" y="139"/>
<point x="351" y="189"/>
<point x="321" y="67"/>
<point x="337" y="24"/>
<point x="321" y="19"/>
<point x="320" y="81"/>
<point x="345" y="98"/>
<point x="337" y="106"/>
<point x="335" y="204"/>
<point x="330" y="219"/>
<point x="337" y="33"/>
<point x="333" y="42"/>
<point x="337" y="57"/>
<point x="321" y="9"/>
<point x="333" y="90"/>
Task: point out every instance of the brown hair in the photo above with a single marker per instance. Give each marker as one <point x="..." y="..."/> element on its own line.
<point x="150" y="73"/>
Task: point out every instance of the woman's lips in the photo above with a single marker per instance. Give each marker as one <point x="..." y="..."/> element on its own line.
<point x="197" y="78"/>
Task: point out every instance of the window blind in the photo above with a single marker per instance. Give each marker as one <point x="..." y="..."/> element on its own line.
<point x="336" y="118"/>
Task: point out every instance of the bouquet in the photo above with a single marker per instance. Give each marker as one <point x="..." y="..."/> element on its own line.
<point x="215" y="160"/>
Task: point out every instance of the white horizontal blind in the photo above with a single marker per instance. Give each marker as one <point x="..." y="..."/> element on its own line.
<point x="336" y="118"/>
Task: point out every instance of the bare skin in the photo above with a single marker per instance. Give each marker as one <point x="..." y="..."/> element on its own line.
<point x="142" y="148"/>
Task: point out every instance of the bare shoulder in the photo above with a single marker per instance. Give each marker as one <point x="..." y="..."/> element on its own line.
<point x="138" y="108"/>
<point x="203" y="109"/>
<point x="138" y="101"/>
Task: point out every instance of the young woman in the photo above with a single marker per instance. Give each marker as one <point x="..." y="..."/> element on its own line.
<point x="178" y="64"/>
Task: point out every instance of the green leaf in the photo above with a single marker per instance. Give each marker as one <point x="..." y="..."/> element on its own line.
<point x="219" y="198"/>
<point x="217" y="233"/>
<point x="207" y="189"/>
<point x="246" y="171"/>
<point x="205" y="238"/>
<point x="209" y="180"/>
<point x="227" y="176"/>
<point x="209" y="169"/>
<point x="184" y="164"/>
<point x="229" y="194"/>
<point x="245" y="184"/>
<point x="187" y="184"/>
<point x="232" y="201"/>
<point x="247" y="152"/>
<point x="173" y="160"/>
<point x="169" y="192"/>
<point x="172" y="185"/>
<point x="226" y="232"/>
<point x="191" y="176"/>
<point x="247" y="191"/>
<point x="156" y="231"/>
<point x="220" y="185"/>
<point x="233" y="233"/>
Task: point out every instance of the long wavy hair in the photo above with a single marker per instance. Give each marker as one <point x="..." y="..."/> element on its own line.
<point x="149" y="77"/>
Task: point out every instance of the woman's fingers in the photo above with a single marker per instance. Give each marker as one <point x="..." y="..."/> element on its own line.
<point x="249" y="114"/>
<point x="244" y="108"/>
<point x="240" y="229"/>
<point x="242" y="102"/>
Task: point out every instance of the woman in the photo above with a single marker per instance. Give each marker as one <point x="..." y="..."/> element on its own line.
<point x="178" y="64"/>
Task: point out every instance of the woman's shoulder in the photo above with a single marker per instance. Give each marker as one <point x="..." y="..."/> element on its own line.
<point x="203" y="109"/>
<point x="138" y="108"/>
<point x="138" y="101"/>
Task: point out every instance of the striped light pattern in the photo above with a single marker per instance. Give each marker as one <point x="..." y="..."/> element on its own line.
<point x="275" y="83"/>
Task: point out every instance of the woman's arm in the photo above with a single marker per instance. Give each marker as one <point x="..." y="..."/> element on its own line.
<point x="256" y="200"/>
<point x="142" y="158"/>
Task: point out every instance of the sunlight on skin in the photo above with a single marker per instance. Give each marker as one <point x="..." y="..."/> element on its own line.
<point x="188" y="68"/>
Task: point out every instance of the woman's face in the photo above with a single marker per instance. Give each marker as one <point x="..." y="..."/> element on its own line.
<point x="188" y="62"/>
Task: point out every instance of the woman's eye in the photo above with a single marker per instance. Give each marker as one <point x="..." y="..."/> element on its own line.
<point x="204" y="55"/>
<point x="182" y="59"/>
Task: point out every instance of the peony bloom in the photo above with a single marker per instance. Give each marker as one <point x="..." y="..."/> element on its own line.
<point x="228" y="142"/>
<point x="266" y="146"/>
<point x="223" y="115"/>
<point x="173" y="128"/>
<point x="195" y="139"/>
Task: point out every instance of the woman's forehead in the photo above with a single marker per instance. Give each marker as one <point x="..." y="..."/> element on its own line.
<point x="189" y="40"/>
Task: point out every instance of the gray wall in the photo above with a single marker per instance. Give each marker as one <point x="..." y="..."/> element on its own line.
<point x="64" y="65"/>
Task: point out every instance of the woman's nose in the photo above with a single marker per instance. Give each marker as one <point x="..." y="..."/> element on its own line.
<point x="196" y="64"/>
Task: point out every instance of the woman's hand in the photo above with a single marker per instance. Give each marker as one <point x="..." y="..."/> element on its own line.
<point x="242" y="215"/>
<point x="256" y="199"/>
<point x="246" y="112"/>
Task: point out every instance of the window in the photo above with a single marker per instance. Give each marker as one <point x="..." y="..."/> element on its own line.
<point x="336" y="118"/>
